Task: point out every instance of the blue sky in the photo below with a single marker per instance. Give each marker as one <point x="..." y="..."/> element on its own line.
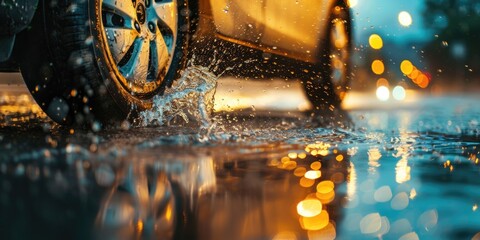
<point x="382" y="17"/>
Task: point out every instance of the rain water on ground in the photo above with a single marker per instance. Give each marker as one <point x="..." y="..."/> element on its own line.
<point x="408" y="172"/>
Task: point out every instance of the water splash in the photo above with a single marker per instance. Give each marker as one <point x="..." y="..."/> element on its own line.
<point x="190" y="99"/>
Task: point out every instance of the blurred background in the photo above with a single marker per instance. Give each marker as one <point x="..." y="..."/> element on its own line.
<point x="402" y="49"/>
<point x="428" y="45"/>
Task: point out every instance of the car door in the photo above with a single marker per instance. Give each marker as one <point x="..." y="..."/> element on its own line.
<point x="296" y="26"/>
<point x="239" y="19"/>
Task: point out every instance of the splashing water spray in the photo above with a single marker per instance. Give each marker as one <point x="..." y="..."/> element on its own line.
<point x="191" y="99"/>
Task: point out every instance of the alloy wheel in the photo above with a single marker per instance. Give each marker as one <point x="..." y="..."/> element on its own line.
<point x="140" y="37"/>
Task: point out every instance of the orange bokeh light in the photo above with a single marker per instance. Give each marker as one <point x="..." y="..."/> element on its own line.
<point x="378" y="67"/>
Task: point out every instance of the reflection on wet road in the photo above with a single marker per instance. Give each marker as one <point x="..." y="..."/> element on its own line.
<point x="408" y="172"/>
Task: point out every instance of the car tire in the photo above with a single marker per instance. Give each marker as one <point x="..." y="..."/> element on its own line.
<point x="71" y="60"/>
<point x="327" y="89"/>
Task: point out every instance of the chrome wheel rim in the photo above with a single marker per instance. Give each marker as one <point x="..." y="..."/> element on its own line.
<point x="140" y="37"/>
<point x="339" y="52"/>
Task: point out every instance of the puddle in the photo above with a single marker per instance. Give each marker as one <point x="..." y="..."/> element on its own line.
<point x="409" y="173"/>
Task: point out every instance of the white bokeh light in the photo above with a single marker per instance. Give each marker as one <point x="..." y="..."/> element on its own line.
<point x="399" y="93"/>
<point x="383" y="93"/>
<point x="405" y="19"/>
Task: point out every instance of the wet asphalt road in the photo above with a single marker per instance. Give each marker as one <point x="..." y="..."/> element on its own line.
<point x="375" y="170"/>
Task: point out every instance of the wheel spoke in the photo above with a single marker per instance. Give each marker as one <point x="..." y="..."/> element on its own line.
<point x="124" y="8"/>
<point x="167" y="13"/>
<point x="161" y="54"/>
<point x="120" y="40"/>
<point x="136" y="68"/>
